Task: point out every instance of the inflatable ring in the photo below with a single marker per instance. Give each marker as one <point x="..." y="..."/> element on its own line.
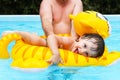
<point x="30" y="56"/>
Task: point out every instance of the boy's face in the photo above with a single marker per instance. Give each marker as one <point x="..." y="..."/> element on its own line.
<point x="86" y="47"/>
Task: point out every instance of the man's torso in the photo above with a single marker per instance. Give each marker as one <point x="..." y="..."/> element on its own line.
<point x="60" y="13"/>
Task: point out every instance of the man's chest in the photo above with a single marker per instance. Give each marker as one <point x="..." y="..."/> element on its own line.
<point x="61" y="12"/>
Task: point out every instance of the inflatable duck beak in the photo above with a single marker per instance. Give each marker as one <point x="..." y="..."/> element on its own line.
<point x="71" y="16"/>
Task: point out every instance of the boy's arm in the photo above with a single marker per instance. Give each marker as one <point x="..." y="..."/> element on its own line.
<point x="53" y="45"/>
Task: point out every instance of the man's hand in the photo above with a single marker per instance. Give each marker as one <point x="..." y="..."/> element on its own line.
<point x="55" y="59"/>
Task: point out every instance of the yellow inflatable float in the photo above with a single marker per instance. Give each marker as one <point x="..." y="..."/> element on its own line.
<point x="30" y="56"/>
<point x="91" y="22"/>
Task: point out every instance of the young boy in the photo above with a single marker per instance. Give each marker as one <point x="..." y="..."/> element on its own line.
<point x="90" y="45"/>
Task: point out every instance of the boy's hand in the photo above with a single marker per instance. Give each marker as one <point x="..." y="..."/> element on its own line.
<point x="55" y="59"/>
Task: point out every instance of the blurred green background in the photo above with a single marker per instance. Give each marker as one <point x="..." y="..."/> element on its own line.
<point x="32" y="6"/>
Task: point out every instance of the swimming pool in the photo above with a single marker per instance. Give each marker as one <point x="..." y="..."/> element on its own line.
<point x="32" y="23"/>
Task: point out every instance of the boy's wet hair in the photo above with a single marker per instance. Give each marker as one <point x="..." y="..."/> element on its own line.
<point x="99" y="41"/>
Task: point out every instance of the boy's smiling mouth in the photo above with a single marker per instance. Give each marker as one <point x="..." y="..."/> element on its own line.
<point x="76" y="51"/>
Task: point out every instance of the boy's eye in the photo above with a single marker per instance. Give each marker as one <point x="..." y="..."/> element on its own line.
<point x="77" y="40"/>
<point x="85" y="46"/>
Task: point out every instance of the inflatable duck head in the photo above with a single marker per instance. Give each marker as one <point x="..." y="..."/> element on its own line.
<point x="91" y="22"/>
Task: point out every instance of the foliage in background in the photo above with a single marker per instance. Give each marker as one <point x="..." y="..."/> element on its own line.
<point x="32" y="6"/>
<point x="103" y="6"/>
<point x="19" y="6"/>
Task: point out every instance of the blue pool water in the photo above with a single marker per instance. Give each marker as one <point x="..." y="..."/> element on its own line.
<point x="32" y="23"/>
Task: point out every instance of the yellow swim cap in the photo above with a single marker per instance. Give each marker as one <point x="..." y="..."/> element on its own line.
<point x="91" y="22"/>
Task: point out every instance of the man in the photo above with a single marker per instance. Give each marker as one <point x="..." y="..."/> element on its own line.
<point x="55" y="19"/>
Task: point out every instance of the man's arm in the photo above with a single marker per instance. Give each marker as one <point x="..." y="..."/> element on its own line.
<point x="46" y="17"/>
<point x="78" y="8"/>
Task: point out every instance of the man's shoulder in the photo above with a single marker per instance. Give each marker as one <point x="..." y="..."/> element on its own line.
<point x="76" y="1"/>
<point x="46" y="2"/>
